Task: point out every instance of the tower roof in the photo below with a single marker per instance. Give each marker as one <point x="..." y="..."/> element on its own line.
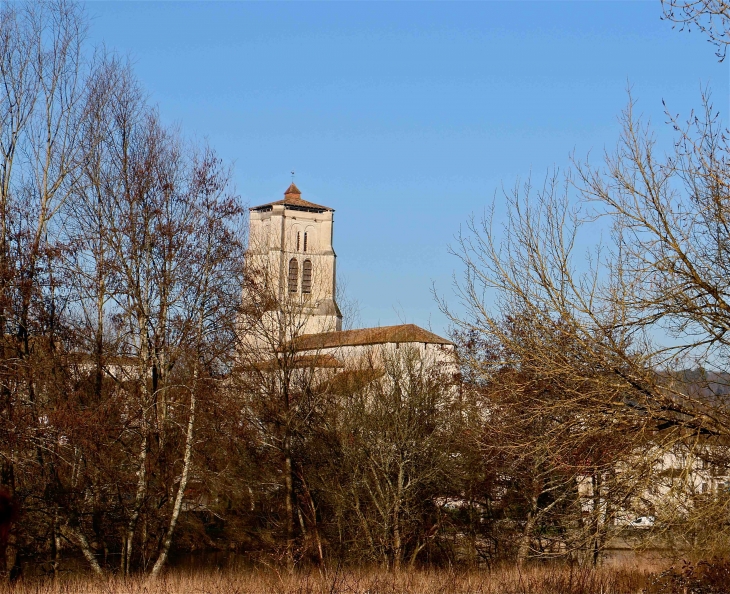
<point x="293" y="201"/>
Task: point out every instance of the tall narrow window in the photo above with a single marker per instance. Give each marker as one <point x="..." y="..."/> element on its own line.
<point x="298" y="238"/>
<point x="293" y="275"/>
<point x="305" y="241"/>
<point x="307" y="275"/>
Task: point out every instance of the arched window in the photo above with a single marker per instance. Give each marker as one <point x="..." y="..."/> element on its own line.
<point x="293" y="275"/>
<point x="307" y="275"/>
<point x="298" y="238"/>
<point x="305" y="241"/>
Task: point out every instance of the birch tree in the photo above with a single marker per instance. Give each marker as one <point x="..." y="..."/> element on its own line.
<point x="42" y="103"/>
<point x="174" y="243"/>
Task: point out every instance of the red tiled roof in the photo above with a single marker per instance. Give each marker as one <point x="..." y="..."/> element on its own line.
<point x="302" y="362"/>
<point x="347" y="382"/>
<point x="366" y="336"/>
<point x="293" y="198"/>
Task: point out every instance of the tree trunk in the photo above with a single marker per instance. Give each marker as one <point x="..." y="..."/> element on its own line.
<point x="55" y="546"/>
<point x="289" y="505"/>
<point x="315" y="525"/>
<point x="139" y="498"/>
<point x="162" y="558"/>
<point x="8" y="537"/>
<point x="397" y="536"/>
<point x="598" y="519"/>
<point x="523" y="552"/>
<point x="78" y="536"/>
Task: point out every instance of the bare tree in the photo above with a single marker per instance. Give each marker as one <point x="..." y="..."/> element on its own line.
<point x="711" y="17"/>
<point x="401" y="423"/>
<point x="612" y="327"/>
<point x="565" y="445"/>
<point x="283" y="391"/>
<point x="41" y="113"/>
<point x="144" y="262"/>
<point x="121" y="258"/>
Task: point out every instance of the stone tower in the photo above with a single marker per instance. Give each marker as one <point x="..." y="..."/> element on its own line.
<point x="291" y="243"/>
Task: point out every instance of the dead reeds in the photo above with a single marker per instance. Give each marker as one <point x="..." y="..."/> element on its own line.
<point x="546" y="579"/>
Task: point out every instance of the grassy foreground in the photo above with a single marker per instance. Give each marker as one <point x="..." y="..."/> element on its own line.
<point x="531" y="580"/>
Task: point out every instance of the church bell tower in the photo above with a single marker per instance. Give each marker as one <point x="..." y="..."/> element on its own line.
<point x="291" y="242"/>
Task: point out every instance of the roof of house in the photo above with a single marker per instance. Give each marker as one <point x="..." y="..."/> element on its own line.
<point x="351" y="380"/>
<point x="368" y="336"/>
<point x="293" y="200"/>
<point x="301" y="362"/>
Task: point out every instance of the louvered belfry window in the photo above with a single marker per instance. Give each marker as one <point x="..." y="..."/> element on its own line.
<point x="307" y="276"/>
<point x="305" y="242"/>
<point x="293" y="275"/>
<point x="298" y="238"/>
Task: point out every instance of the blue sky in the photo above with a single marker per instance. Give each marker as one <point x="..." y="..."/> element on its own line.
<point x="405" y="117"/>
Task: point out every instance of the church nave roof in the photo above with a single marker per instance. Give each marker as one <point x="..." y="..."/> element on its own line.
<point x="366" y="336"/>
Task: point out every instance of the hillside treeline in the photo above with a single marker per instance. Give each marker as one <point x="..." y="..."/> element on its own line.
<point x="136" y="422"/>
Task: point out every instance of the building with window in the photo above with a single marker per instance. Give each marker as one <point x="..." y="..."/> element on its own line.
<point x="291" y="250"/>
<point x="290" y="241"/>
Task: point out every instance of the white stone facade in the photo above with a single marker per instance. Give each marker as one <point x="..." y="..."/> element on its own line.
<point x="293" y="234"/>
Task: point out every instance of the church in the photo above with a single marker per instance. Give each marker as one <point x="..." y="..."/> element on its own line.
<point x="291" y="249"/>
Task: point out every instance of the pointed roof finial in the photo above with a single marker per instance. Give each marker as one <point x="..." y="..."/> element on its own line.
<point x="292" y="176"/>
<point x="292" y="190"/>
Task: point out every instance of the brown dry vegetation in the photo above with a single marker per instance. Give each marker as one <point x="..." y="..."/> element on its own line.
<point x="555" y="579"/>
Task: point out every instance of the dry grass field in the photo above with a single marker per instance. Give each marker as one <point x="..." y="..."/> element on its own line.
<point x="532" y="580"/>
